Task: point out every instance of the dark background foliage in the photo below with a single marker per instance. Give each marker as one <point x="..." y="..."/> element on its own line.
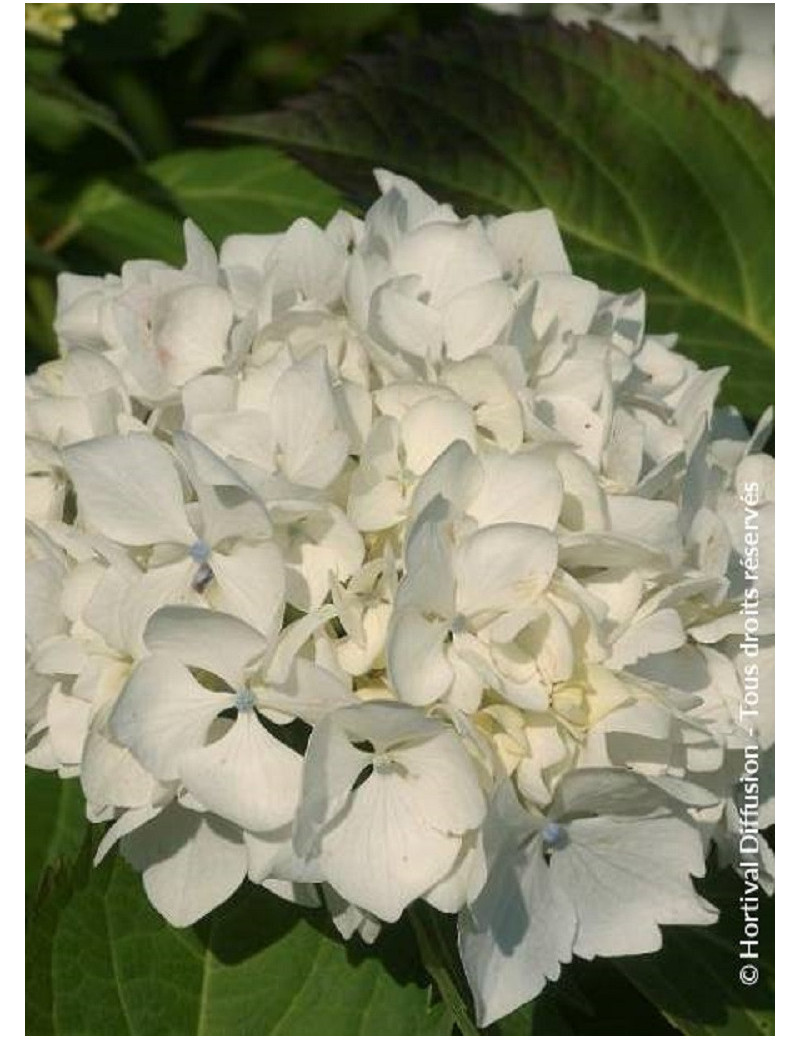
<point x="112" y="98"/>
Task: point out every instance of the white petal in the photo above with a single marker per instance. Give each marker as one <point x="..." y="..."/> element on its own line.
<point x="247" y="776"/>
<point x="584" y="507"/>
<point x="382" y="853"/>
<point x="444" y="783"/>
<point x="653" y="524"/>
<point x="429" y="584"/>
<point x="397" y="319"/>
<point x="577" y="422"/>
<point x="386" y="724"/>
<point x="626" y="877"/>
<point x="502" y="567"/>
<point x="128" y="489"/>
<point x="523" y="489"/>
<point x="463" y="883"/>
<point x="455" y="476"/>
<point x="229" y="508"/>
<point x="124" y="824"/>
<point x="480" y="382"/>
<point x="208" y="394"/>
<point x="327" y="544"/>
<point x="110" y="775"/>
<point x="416" y="661"/>
<point x="192" y="337"/>
<point x="201" y="257"/>
<point x="610" y="792"/>
<point x="375" y="503"/>
<point x="528" y="244"/>
<point x="475" y="318"/>
<point x="248" y="251"/>
<point x="518" y="933"/>
<point x="310" y="693"/>
<point x="432" y="425"/>
<point x="448" y="258"/>
<point x="656" y="634"/>
<point x="249" y="583"/>
<point x="309" y="262"/>
<point x="217" y="642"/>
<point x="306" y="422"/>
<point x="59" y="655"/>
<point x="163" y="712"/>
<point x="350" y="919"/>
<point x="291" y="641"/>
<point x="68" y="721"/>
<point x="330" y="769"/>
<point x="271" y="854"/>
<point x="417" y="206"/>
<point x="190" y="863"/>
<point x="565" y="299"/>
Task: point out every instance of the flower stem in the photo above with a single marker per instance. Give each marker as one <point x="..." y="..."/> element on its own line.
<point x="439" y="964"/>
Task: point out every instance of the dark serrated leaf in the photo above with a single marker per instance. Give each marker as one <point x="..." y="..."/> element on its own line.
<point x="659" y="177"/>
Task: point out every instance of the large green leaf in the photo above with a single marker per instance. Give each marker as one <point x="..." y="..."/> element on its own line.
<point x="40" y="928"/>
<point x="659" y="177"/>
<point x="55" y="823"/>
<point x="694" y="979"/>
<point x="589" y="997"/>
<point x="256" y="966"/>
<point x="246" y="189"/>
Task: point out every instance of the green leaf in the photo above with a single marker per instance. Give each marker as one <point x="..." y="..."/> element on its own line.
<point x="256" y="966"/>
<point x="658" y="176"/>
<point x="57" y="113"/>
<point x="42" y="921"/>
<point x="589" y="997"/>
<point x="253" y="189"/>
<point x="55" y="823"/>
<point x="247" y="189"/>
<point x="694" y="979"/>
<point x="436" y="940"/>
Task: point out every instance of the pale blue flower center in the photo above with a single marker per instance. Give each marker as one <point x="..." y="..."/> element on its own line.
<point x="459" y="624"/>
<point x="200" y="551"/>
<point x="245" y="701"/>
<point x="554" y="834"/>
<point x="385" y="762"/>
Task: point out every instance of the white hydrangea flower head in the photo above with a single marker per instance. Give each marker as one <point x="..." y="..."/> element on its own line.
<point x="392" y="560"/>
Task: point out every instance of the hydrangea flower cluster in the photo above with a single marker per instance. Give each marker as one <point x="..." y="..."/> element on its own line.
<point x="393" y="561"/>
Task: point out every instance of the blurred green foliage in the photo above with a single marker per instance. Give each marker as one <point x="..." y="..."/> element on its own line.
<point x="111" y="100"/>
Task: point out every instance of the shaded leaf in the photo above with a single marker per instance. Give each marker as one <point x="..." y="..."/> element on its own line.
<point x="57" y="113"/>
<point x="659" y="177"/>
<point x="589" y="998"/>
<point x="252" y="189"/>
<point x="42" y="921"/>
<point x="694" y="978"/>
<point x="55" y="823"/>
<point x="256" y="966"/>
